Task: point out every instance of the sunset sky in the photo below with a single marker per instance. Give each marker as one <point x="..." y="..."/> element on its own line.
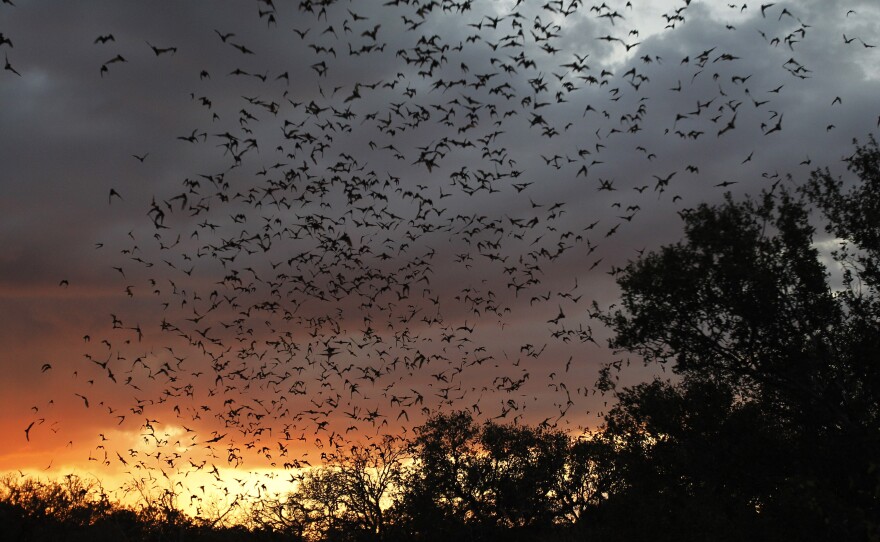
<point x="243" y="234"/>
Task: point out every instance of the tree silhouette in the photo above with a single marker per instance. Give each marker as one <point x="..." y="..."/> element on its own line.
<point x="346" y="499"/>
<point x="522" y="469"/>
<point x="288" y="516"/>
<point x="775" y="363"/>
<point x="442" y="496"/>
<point x="491" y="481"/>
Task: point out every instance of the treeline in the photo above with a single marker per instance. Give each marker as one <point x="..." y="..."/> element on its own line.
<point x="674" y="462"/>
<point x="76" y="509"/>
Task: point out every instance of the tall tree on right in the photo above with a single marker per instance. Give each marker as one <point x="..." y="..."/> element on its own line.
<point x="775" y="410"/>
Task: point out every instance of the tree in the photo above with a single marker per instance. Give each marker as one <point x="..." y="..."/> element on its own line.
<point x="370" y="478"/>
<point x="287" y="515"/>
<point x="687" y="461"/>
<point x="744" y="312"/>
<point x="346" y="499"/>
<point x="522" y="470"/>
<point x="440" y="496"/>
<point x="585" y="484"/>
<point x="492" y="481"/>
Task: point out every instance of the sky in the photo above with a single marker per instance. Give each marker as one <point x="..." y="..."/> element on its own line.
<point x="246" y="234"/>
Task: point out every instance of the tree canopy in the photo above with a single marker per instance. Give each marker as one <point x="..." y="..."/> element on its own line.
<point x="776" y="346"/>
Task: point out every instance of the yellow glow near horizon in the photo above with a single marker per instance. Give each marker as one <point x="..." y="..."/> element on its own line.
<point x="198" y="494"/>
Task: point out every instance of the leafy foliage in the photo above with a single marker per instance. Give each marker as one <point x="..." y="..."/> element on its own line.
<point x="775" y="414"/>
